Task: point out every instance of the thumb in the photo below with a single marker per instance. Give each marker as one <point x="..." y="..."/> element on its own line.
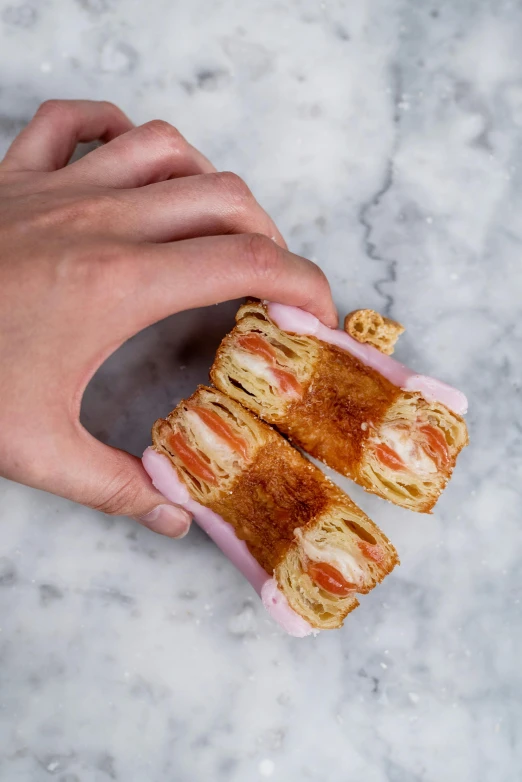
<point x="116" y="483"/>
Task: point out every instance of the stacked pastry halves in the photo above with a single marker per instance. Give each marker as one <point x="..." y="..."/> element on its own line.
<point x="301" y="541"/>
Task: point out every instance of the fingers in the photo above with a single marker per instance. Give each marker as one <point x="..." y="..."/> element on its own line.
<point x="151" y="153"/>
<point x="49" y="140"/>
<point x="206" y="205"/>
<point x="115" y="482"/>
<point x="64" y="459"/>
<point x="159" y="280"/>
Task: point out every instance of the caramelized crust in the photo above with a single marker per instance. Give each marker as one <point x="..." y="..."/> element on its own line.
<point x="343" y="410"/>
<point x="285" y="509"/>
<point x="276" y="495"/>
<point x="331" y="421"/>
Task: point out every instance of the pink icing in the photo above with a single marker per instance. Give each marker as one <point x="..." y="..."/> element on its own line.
<point x="298" y="321"/>
<point x="166" y="480"/>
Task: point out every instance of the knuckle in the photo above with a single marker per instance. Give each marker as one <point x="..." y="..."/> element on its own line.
<point x="316" y="287"/>
<point x="263" y="256"/>
<point x="53" y="107"/>
<point x="315" y="281"/>
<point x="109" y="106"/>
<point x="234" y="187"/>
<point x="317" y="273"/>
<point x="166" y="133"/>
<point x="119" y="497"/>
<point x="322" y="281"/>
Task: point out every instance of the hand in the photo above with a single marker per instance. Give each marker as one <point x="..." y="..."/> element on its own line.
<point x="92" y="253"/>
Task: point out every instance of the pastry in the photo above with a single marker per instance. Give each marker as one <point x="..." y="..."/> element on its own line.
<point x="302" y="543"/>
<point x="394" y="432"/>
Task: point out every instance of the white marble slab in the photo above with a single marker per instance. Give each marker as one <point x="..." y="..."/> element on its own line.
<point x="385" y="139"/>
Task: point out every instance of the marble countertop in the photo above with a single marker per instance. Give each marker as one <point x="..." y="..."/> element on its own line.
<point x="385" y="139"/>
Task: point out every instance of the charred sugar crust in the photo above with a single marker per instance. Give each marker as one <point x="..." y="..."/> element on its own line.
<point x="278" y="493"/>
<point x="343" y="408"/>
<point x="342" y="402"/>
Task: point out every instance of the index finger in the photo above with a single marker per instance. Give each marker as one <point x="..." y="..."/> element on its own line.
<point x="168" y="278"/>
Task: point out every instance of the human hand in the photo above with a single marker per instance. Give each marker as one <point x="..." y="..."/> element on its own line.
<point x="92" y="253"/>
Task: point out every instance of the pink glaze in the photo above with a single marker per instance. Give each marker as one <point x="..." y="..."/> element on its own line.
<point x="166" y="480"/>
<point x="277" y="606"/>
<point x="298" y="321"/>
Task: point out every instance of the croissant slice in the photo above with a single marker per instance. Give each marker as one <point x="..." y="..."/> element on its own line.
<point x="395" y="433"/>
<point x="303" y="544"/>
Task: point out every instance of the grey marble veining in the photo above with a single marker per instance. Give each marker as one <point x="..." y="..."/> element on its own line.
<point x="385" y="139"/>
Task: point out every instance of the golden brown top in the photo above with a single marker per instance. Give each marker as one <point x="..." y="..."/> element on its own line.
<point x="239" y="467"/>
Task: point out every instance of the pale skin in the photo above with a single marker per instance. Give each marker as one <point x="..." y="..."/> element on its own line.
<point x="92" y="253"/>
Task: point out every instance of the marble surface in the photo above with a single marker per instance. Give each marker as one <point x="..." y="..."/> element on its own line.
<point x="385" y="139"/>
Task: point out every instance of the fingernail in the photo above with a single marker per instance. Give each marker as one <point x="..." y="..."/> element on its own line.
<point x="167" y="520"/>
